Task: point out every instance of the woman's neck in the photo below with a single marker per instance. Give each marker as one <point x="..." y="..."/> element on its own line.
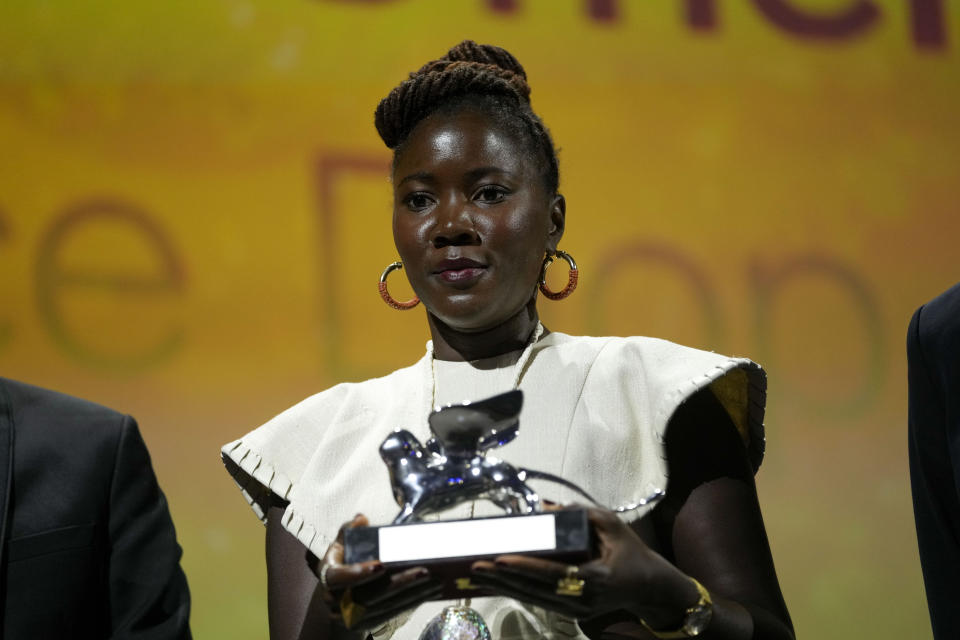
<point x="454" y="344"/>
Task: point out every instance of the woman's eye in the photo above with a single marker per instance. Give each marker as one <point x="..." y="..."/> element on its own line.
<point x="491" y="194"/>
<point x="417" y="201"/>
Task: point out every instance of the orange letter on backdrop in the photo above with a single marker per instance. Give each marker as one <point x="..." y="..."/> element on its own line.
<point x="331" y="166"/>
<point x="771" y="281"/>
<point x="53" y="279"/>
<point x="656" y="254"/>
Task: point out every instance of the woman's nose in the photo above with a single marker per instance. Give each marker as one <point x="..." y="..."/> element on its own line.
<point x="454" y="227"/>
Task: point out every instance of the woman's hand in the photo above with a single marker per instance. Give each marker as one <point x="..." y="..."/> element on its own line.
<point x="365" y="594"/>
<point x="625" y="576"/>
<point x="713" y="530"/>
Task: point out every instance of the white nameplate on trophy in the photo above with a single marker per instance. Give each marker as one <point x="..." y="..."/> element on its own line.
<point x="449" y="547"/>
<point x="460" y="538"/>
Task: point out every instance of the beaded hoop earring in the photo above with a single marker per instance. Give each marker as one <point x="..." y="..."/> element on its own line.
<point x="572" y="277"/>
<point x="382" y="286"/>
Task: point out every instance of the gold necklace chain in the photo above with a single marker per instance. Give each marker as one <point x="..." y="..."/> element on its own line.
<point x="517" y="374"/>
<point x="432" y="396"/>
<point x="431" y="374"/>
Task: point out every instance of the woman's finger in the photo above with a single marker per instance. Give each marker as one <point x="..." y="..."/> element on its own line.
<point x="549" y="581"/>
<point x="334" y="575"/>
<point x="538" y="569"/>
<point x="373" y="618"/>
<point x="535" y="593"/>
<point x="605" y="523"/>
<point x="343" y="576"/>
<point x="398" y="588"/>
<point x="382" y="600"/>
<point x="334" y="553"/>
<point x="384" y="596"/>
<point x="358" y="520"/>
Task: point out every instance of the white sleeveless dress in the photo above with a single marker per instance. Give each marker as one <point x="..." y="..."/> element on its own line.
<point x="595" y="411"/>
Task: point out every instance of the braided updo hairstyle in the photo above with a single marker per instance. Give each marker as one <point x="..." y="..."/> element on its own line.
<point x="478" y="77"/>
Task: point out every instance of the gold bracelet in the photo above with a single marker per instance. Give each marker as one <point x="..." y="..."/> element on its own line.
<point x="695" y="619"/>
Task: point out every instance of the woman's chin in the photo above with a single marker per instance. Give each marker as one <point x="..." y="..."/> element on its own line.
<point x="478" y="316"/>
<point x="466" y="323"/>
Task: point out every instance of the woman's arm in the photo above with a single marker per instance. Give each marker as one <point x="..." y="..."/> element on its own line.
<point x="710" y="521"/>
<point x="300" y="608"/>
<point x="295" y="603"/>
<point x="708" y="527"/>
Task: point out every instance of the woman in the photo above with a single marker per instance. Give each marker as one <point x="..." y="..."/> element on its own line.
<point x="477" y="216"/>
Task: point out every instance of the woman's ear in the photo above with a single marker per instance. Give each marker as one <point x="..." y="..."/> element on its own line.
<point x="558" y="221"/>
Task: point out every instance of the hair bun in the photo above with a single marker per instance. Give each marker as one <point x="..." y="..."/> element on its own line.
<point x="468" y="69"/>
<point x="470" y="51"/>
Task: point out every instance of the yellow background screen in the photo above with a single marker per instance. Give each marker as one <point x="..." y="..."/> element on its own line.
<point x="194" y="209"/>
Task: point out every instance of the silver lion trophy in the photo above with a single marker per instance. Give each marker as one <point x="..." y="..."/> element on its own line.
<point x="452" y="468"/>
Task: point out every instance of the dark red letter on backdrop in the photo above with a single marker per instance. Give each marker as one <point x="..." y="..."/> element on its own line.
<point x="602" y="10"/>
<point x="599" y="10"/>
<point x="845" y="24"/>
<point x="926" y="21"/>
<point x="502" y="6"/>
<point x="702" y="14"/>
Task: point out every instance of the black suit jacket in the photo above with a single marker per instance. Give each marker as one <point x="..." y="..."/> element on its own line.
<point x="933" y="366"/>
<point x="88" y="546"/>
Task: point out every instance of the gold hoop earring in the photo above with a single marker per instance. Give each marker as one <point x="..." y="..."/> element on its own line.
<point x="572" y="277"/>
<point x="382" y="286"/>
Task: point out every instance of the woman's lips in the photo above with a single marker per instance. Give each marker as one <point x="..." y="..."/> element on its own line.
<point x="461" y="275"/>
<point x="459" y="270"/>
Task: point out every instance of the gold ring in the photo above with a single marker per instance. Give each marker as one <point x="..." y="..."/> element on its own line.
<point x="350" y="611"/>
<point x="571" y="584"/>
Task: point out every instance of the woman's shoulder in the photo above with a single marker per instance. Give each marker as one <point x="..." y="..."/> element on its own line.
<point x="340" y="397"/>
<point x="269" y="460"/>
<point x="346" y="406"/>
<point x="641" y="369"/>
<point x="670" y="371"/>
<point x="632" y="349"/>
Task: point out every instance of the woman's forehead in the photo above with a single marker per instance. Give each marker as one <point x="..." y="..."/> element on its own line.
<point x="459" y="142"/>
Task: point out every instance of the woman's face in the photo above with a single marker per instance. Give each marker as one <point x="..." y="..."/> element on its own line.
<point x="472" y="220"/>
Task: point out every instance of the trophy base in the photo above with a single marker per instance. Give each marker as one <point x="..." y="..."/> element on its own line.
<point x="448" y="547"/>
